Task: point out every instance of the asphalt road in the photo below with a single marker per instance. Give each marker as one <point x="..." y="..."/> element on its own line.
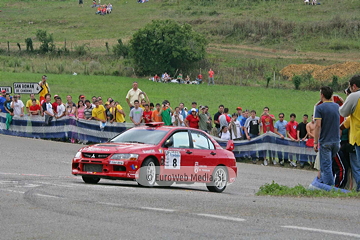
<point x="40" y="199"/>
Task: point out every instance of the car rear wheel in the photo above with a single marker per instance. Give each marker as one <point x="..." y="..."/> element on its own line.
<point x="219" y="180"/>
<point x="90" y="179"/>
<point x="147" y="177"/>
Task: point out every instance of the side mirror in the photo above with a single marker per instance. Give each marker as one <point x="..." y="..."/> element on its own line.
<point x="230" y="145"/>
<point x="169" y="142"/>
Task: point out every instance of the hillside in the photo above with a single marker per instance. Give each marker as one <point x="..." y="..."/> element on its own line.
<point x="249" y="40"/>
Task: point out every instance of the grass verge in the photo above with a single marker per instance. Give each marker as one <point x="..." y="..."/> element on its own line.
<point x="275" y="189"/>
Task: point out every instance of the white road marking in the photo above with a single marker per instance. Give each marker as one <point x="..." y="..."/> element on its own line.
<point x="323" y="231"/>
<point x="111" y="204"/>
<point x="221" y="217"/>
<point x="8" y="190"/>
<point x="44" y="195"/>
<point x="158" y="209"/>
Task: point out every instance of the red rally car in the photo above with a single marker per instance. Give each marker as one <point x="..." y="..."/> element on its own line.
<point x="159" y="154"/>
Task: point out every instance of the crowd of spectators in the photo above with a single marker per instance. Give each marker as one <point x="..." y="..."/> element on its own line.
<point x="166" y="78"/>
<point x="102" y="9"/>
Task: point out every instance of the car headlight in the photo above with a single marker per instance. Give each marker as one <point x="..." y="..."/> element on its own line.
<point x="125" y="156"/>
<point x="77" y="155"/>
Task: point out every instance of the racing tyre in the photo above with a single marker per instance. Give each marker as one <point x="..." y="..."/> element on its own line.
<point x="219" y="181"/>
<point x="147" y="176"/>
<point x="90" y="179"/>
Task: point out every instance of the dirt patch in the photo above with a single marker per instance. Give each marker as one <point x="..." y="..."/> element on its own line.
<point x="321" y="73"/>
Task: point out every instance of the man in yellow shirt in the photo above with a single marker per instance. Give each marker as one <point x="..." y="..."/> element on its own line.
<point x="98" y="113"/>
<point x="29" y="103"/>
<point x="45" y="89"/>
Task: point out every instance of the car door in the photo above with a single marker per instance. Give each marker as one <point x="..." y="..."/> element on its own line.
<point x="177" y="156"/>
<point x="204" y="153"/>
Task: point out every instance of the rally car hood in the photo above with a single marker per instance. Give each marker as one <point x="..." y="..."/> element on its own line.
<point x="118" y="147"/>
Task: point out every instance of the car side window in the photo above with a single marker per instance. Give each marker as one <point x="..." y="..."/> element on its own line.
<point x="200" y="141"/>
<point x="180" y="140"/>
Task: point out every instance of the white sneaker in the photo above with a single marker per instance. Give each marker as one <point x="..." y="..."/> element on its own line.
<point x="265" y="162"/>
<point x="293" y="164"/>
<point x="274" y="162"/>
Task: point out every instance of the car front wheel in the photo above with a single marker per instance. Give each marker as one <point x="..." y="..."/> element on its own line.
<point x="90" y="179"/>
<point x="147" y="177"/>
<point x="219" y="180"/>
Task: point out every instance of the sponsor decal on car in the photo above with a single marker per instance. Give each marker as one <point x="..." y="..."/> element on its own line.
<point x="148" y="151"/>
<point x="172" y="159"/>
<point x="116" y="162"/>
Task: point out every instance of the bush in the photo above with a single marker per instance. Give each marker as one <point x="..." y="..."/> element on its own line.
<point x="121" y="50"/>
<point x="335" y="83"/>
<point x="47" y="42"/>
<point x="165" y="45"/>
<point x="297" y="81"/>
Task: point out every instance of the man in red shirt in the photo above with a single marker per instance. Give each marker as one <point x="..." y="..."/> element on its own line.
<point x="34" y="109"/>
<point x="55" y="104"/>
<point x="267" y="120"/>
<point x="291" y="133"/>
<point x="211" y="77"/>
<point x="147" y="114"/>
<point x="192" y="120"/>
<point x="199" y="78"/>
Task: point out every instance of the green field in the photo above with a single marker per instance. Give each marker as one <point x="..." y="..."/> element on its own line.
<point x="278" y="100"/>
<point x="249" y="40"/>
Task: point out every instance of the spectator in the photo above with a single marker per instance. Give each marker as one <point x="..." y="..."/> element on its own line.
<point x="242" y="123"/>
<point x="351" y="108"/>
<point x="80" y="111"/>
<point x="199" y="78"/>
<point x="88" y="110"/>
<point x="177" y="119"/>
<point x="203" y="119"/>
<point x="291" y="127"/>
<point x="30" y="103"/>
<point x="93" y="101"/>
<point x="224" y="133"/>
<point x="224" y="118"/>
<point x="34" y="109"/>
<point x="155" y="116"/>
<point x="48" y="110"/>
<point x="193" y="105"/>
<point x="211" y="77"/>
<point x="2" y="101"/>
<point x="60" y="108"/>
<point x="9" y="110"/>
<point x="98" y="113"/>
<point x="216" y="118"/>
<point x="235" y="128"/>
<point x="17" y="106"/>
<point x="327" y="134"/>
<point x="166" y="112"/>
<point x="45" y="88"/>
<point x="54" y="105"/>
<point x="209" y="121"/>
<point x="301" y="129"/>
<point x="267" y="120"/>
<point x="291" y="133"/>
<point x="70" y="107"/>
<point x="133" y="94"/>
<point x="82" y="98"/>
<point x="109" y="116"/>
<point x="147" y="114"/>
<point x="182" y="110"/>
<point x="100" y="100"/>
<point x="143" y="99"/>
<point x="119" y="113"/>
<point x="136" y="113"/>
<point x="192" y="120"/>
<point x="280" y="129"/>
<point x="157" y="78"/>
<point x="152" y="106"/>
<point x="180" y="78"/>
<point x="252" y="126"/>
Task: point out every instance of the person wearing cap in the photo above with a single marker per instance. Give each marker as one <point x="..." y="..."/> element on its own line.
<point x="82" y="98"/>
<point x="166" y="112"/>
<point x="45" y="89"/>
<point x="193" y="105"/>
<point x="2" y="101"/>
<point x="29" y="102"/>
<point x="192" y="120"/>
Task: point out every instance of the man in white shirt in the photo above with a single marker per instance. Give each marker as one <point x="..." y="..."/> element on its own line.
<point x="60" y="109"/>
<point x="18" y="106"/>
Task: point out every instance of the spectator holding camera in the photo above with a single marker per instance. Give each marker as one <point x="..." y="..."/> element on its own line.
<point x="177" y="119"/>
<point x="166" y="112"/>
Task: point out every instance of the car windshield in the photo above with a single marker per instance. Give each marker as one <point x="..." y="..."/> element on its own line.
<point x="145" y="136"/>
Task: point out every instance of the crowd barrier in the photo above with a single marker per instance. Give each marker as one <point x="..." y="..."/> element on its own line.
<point x="266" y="145"/>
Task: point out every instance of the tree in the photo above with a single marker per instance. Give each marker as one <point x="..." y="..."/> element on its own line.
<point x="47" y="42"/>
<point x="165" y="45"/>
<point x="120" y="49"/>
